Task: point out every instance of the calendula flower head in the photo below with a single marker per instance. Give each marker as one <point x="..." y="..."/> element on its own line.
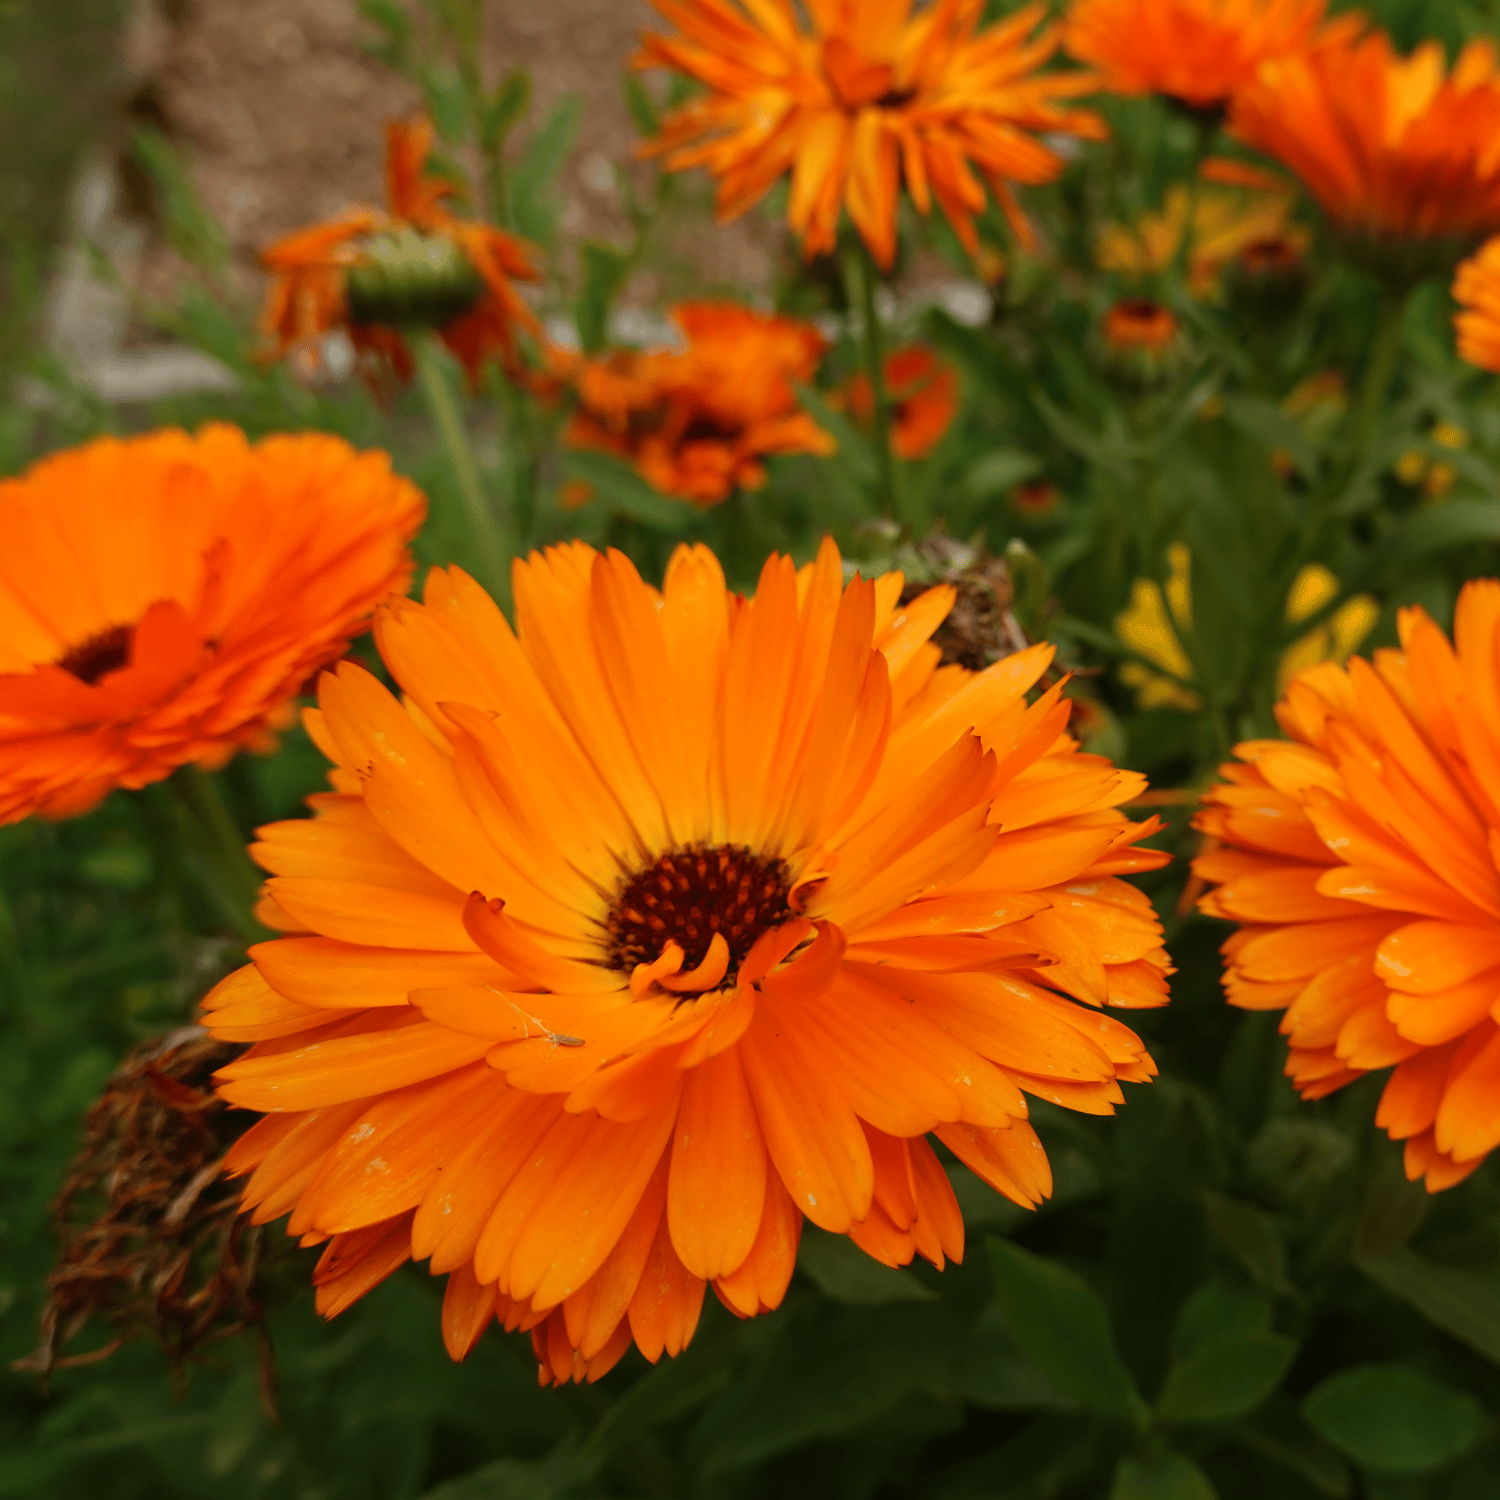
<point x="1357" y="857"/>
<point x="699" y="422"/>
<point x="1141" y="344"/>
<point x="1402" y="155"/>
<point x="1476" y="289"/>
<point x="381" y="275"/>
<point x="1267" y="279"/>
<point x="1223" y="226"/>
<point x="872" y="99"/>
<point x="923" y="396"/>
<point x="629" y="940"/>
<point x="165" y="597"/>
<point x="1198" y="52"/>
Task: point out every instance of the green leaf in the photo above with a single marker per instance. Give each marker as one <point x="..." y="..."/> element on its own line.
<point x="855" y="451"/>
<point x="841" y="1270"/>
<point x="1266" y="422"/>
<point x="443" y="91"/>
<point x="621" y="488"/>
<point x="1250" y="1236"/>
<point x="667" y="1391"/>
<point x="998" y="471"/>
<point x="1164" y="1476"/>
<point x="1225" y="1377"/>
<point x="1435" y="528"/>
<point x="511" y="1479"/>
<point x="534" y="186"/>
<point x="1394" y="1418"/>
<point x="1215" y="1309"/>
<point x="193" y="232"/>
<point x="1061" y="1325"/>
<point x="642" y="106"/>
<point x="604" y="273"/>
<point x="1457" y="1302"/>
<point x="509" y="102"/>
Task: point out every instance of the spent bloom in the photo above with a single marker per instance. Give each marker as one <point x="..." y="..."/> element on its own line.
<point x="380" y="275"/>
<point x="164" y="598"/>
<point x="873" y="98"/>
<point x="1357" y="857"/>
<point x="630" y="939"/>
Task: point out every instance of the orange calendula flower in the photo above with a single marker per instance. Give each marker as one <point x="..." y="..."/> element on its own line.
<point x="1476" y="289"/>
<point x="1197" y="51"/>
<point x="1392" y="148"/>
<point x="163" y="599"/>
<point x="380" y="275"/>
<point x="699" y="422"/>
<point x="1358" y="857"/>
<point x="923" y="395"/>
<point x="631" y="939"/>
<point x="1139" y="323"/>
<point x="872" y="98"/>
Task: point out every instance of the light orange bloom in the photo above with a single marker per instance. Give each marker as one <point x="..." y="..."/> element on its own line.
<point x="873" y="98"/>
<point x="630" y="940"/>
<point x="162" y="599"/>
<point x="1476" y="289"/>
<point x="1390" y="147"/>
<point x="1223" y="226"/>
<point x="1197" y="51"/>
<point x="699" y="422"/>
<point x="378" y="275"/>
<point x="923" y="394"/>
<point x="1359" y="858"/>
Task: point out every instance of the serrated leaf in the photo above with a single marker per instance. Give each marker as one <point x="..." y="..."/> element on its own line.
<point x="1060" y="1323"/>
<point x="621" y="488"/>
<point x="1163" y="1476"/>
<point x="1226" y="1377"/>
<point x="1394" y="1418"/>
<point x="841" y="1270"/>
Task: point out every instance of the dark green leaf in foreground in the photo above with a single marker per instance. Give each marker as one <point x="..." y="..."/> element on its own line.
<point x="1394" y="1418"/>
<point x="1165" y="1476"/>
<point x="1455" y="1301"/>
<point x="1061" y="1324"/>
<point x="1226" y="1376"/>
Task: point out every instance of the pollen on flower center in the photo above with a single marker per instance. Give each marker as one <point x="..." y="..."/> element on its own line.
<point x="107" y="651"/>
<point x="687" y="895"/>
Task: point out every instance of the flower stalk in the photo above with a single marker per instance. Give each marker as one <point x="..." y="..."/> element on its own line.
<point x="860" y="276"/>
<point x="234" y="882"/>
<point x="486" y="530"/>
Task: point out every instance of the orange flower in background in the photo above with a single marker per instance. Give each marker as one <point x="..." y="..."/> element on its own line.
<point x="1476" y="289"/>
<point x="699" y="422"/>
<point x="1390" y="147"/>
<point x="923" y="393"/>
<point x="163" y="598"/>
<point x="381" y="275"/>
<point x="1139" y="323"/>
<point x="630" y="940"/>
<point x="1196" y="51"/>
<point x="873" y="98"/>
<point x="1358" y="857"/>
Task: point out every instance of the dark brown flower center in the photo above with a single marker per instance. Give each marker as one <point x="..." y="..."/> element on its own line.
<point x="688" y="895"/>
<point x="107" y="651"/>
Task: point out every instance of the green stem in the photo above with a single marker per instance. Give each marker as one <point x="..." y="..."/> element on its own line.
<point x="236" y="882"/>
<point x="486" y="530"/>
<point x="1385" y="348"/>
<point x="860" y="269"/>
